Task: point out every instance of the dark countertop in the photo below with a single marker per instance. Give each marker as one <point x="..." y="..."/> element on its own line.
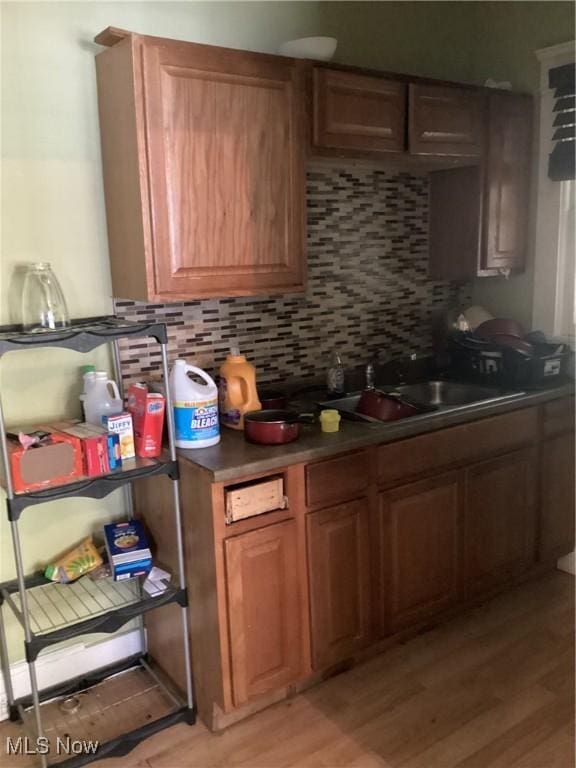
<point x="234" y="458"/>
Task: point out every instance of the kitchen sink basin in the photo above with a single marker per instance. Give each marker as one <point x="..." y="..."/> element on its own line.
<point x="446" y="393"/>
<point x="429" y="397"/>
<point x="347" y="406"/>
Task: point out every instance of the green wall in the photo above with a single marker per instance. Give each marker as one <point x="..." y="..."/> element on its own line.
<point x="419" y="38"/>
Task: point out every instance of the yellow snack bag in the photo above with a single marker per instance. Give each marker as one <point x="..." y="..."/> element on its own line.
<point x="75" y="563"/>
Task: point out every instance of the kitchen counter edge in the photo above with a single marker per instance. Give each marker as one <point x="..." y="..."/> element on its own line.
<point x="234" y="458"/>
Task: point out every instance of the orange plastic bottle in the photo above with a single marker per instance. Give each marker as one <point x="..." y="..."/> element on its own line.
<point x="237" y="392"/>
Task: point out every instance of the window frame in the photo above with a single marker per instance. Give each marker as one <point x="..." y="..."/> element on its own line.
<point x="553" y="262"/>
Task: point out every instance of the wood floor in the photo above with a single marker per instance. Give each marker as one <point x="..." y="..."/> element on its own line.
<point x="491" y="689"/>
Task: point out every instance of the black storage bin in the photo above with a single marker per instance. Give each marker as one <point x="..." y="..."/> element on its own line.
<point x="485" y="362"/>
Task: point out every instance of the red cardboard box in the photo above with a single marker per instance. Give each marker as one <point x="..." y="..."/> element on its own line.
<point x="56" y="462"/>
<point x="147" y="409"/>
<point x="100" y="450"/>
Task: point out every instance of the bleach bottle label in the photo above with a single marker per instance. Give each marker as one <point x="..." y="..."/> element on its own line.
<point x="196" y="421"/>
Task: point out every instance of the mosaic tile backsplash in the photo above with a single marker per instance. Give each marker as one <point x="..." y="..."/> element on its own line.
<point x="368" y="288"/>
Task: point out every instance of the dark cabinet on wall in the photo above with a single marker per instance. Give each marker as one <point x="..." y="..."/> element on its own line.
<point x="356" y="112"/>
<point x="507" y="182"/>
<point x="446" y="121"/>
<point x="479" y="214"/>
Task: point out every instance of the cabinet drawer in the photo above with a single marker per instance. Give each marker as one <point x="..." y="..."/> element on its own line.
<point x="337" y="479"/>
<point x="458" y="445"/>
<point x="558" y="416"/>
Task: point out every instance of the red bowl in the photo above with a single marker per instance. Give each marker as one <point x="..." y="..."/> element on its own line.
<point x="500" y="326"/>
<point x="384" y="407"/>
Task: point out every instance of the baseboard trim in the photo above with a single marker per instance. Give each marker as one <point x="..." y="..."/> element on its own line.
<point x="54" y="667"/>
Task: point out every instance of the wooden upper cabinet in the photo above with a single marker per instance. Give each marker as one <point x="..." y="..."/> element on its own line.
<point x="203" y="152"/>
<point x="479" y="215"/>
<point x="444" y="120"/>
<point x="500" y="520"/>
<point x="339" y="572"/>
<point x="263" y="589"/>
<point x="357" y="112"/>
<point x="420" y="540"/>
<point x="507" y="182"/>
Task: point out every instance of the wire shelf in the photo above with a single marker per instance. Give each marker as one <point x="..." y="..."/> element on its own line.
<point x="58" y="612"/>
<point x="53" y="606"/>
<point x="127" y="706"/>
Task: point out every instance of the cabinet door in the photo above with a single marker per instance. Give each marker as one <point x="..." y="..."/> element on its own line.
<point x="420" y="538"/>
<point x="507" y="182"/>
<point x="339" y="572"/>
<point x="357" y="112"/>
<point x="263" y="589"/>
<point x="500" y="521"/>
<point x="226" y="143"/>
<point x="557" y="497"/>
<point x="446" y="121"/>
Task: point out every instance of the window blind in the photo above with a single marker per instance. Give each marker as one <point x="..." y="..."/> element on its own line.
<point x="561" y="164"/>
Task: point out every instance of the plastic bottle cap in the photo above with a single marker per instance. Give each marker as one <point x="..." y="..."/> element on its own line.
<point x="330" y="420"/>
<point x="88" y="369"/>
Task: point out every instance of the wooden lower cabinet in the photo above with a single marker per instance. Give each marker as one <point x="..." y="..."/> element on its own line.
<point x="500" y="520"/>
<point x="263" y="589"/>
<point x="420" y="528"/>
<point x="340" y="583"/>
<point x="557" y="497"/>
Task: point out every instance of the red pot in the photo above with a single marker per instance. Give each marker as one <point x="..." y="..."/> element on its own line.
<point x="273" y="427"/>
<point x="384" y="407"/>
<point x="273" y="400"/>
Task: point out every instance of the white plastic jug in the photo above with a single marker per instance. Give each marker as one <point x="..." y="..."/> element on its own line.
<point x="195" y="407"/>
<point x="98" y="402"/>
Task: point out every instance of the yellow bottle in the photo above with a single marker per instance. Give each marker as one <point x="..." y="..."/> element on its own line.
<point x="237" y="392"/>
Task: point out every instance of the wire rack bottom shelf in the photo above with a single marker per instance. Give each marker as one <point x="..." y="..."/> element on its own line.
<point x="114" y="714"/>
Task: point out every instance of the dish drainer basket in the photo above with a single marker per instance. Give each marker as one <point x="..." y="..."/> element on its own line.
<point x="488" y="363"/>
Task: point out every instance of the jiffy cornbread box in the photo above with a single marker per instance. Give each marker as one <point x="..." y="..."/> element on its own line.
<point x="121" y="424"/>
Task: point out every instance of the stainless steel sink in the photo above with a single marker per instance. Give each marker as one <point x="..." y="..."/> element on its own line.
<point x="430" y="397"/>
<point x="447" y="393"/>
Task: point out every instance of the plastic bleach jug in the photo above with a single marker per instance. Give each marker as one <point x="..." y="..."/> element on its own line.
<point x="195" y="407"/>
<point x="97" y="400"/>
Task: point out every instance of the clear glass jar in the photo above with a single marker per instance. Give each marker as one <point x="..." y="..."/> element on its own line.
<point x="43" y="303"/>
